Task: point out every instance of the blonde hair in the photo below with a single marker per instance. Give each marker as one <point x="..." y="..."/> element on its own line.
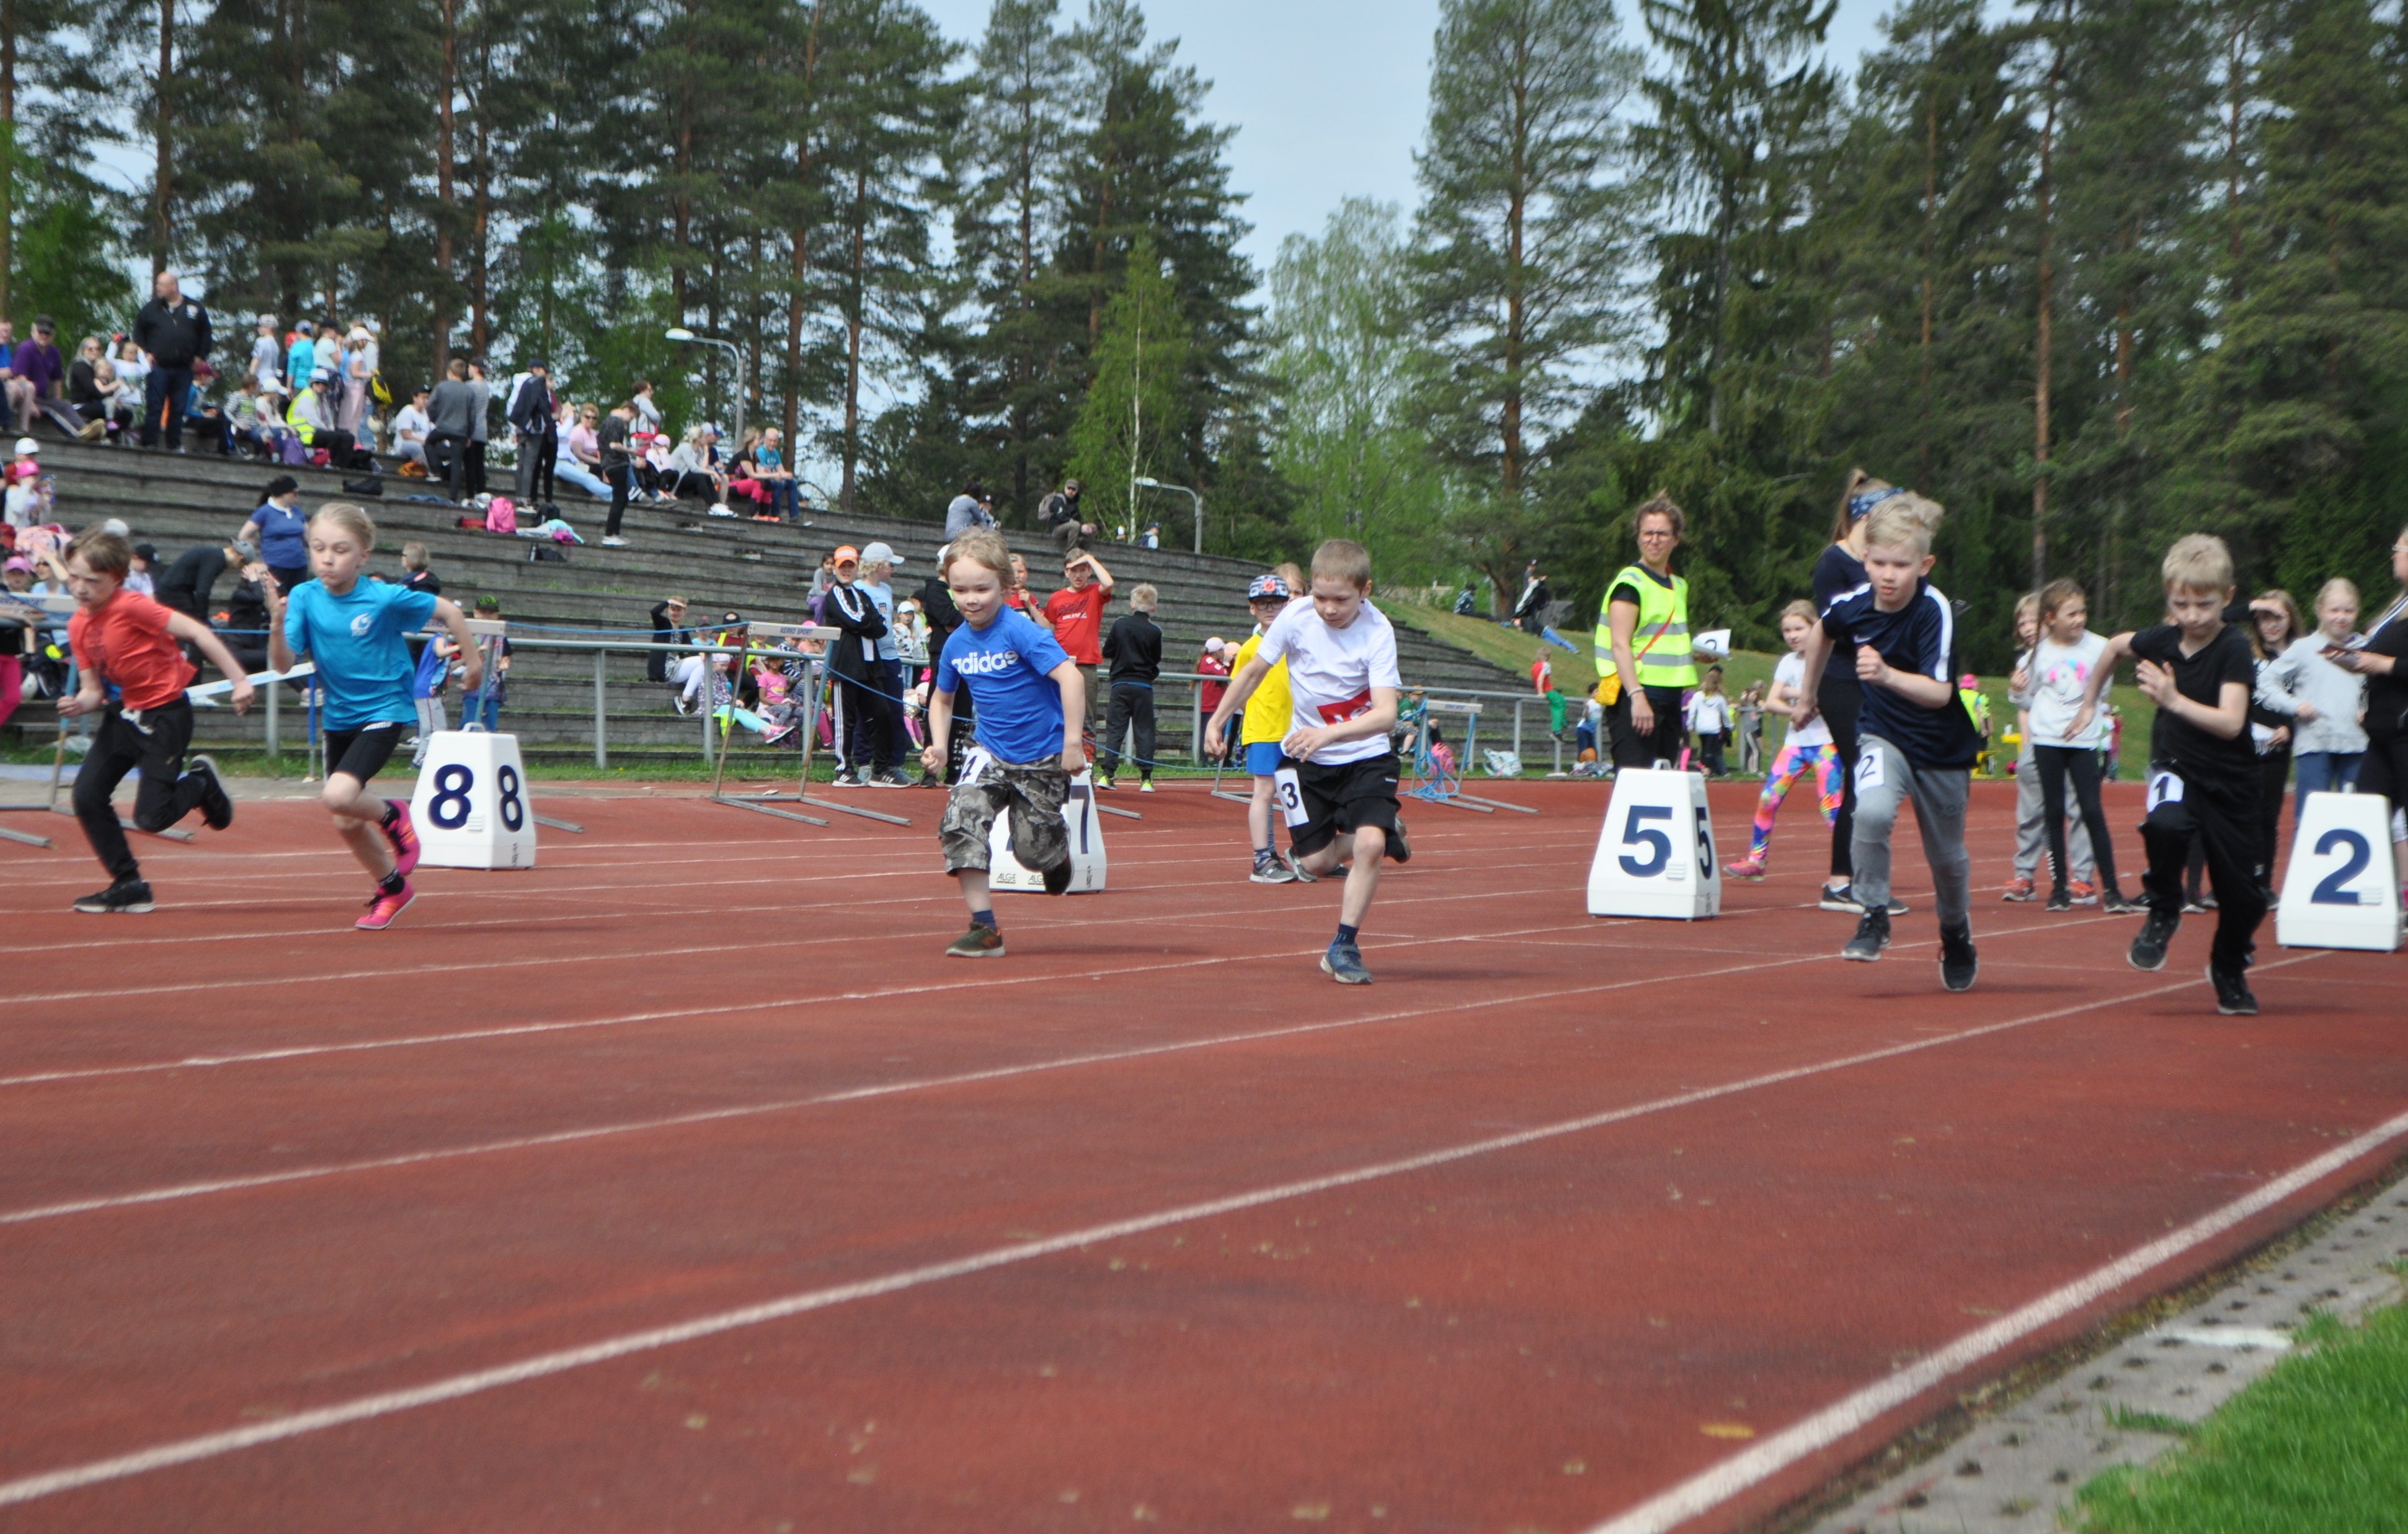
<point x="1343" y="559"/>
<point x="2283" y="599"/>
<point x="2338" y="585"/>
<point x="350" y="519"/>
<point x="413" y="556"/>
<point x="2028" y="605"/>
<point x="1297" y="585"/>
<point x="1145" y="599"/>
<point x="1801" y="608"/>
<point x="2199" y="561"/>
<point x="2058" y="592"/>
<point x="1662" y="505"/>
<point x="1904" y="520"/>
<point x="980" y="546"/>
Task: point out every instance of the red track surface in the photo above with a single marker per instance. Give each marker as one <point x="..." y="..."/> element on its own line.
<point x="1113" y="1231"/>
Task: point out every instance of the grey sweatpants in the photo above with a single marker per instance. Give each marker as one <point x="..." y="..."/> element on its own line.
<point x="1939" y="795"/>
<point x="2031" y="826"/>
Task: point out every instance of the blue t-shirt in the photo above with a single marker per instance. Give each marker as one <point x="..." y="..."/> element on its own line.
<point x="1920" y="638"/>
<point x="1005" y="667"/>
<point x="360" y="642"/>
<point x="283" y="537"/>
<point x="300" y="362"/>
<point x="884" y="596"/>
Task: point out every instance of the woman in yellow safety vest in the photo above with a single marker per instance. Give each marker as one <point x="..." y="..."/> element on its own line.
<point x="1644" y="654"/>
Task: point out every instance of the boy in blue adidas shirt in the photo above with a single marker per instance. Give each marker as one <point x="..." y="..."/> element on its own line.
<point x="1915" y="740"/>
<point x="1030" y="701"/>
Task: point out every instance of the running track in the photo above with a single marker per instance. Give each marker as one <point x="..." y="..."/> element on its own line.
<point x="675" y="1184"/>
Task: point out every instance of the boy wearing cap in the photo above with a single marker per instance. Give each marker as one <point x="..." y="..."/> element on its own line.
<point x="1076" y="616"/>
<point x="853" y="667"/>
<point x="1265" y="726"/>
<point x="890" y="742"/>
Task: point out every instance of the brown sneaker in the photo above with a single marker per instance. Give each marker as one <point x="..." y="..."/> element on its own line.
<point x="979" y="942"/>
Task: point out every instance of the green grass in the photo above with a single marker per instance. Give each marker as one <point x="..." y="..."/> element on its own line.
<point x="2319" y="1446"/>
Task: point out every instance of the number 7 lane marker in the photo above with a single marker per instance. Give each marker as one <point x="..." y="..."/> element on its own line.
<point x="1698" y="1494"/>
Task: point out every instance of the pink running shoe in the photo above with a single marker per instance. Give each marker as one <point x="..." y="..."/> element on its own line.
<point x="403" y="836"/>
<point x="383" y="907"/>
<point x="1746" y="867"/>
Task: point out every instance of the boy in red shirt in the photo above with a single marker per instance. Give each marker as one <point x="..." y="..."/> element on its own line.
<point x="127" y="640"/>
<point x="1076" y="615"/>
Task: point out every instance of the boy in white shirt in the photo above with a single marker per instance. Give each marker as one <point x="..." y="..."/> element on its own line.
<point x="1340" y="797"/>
<point x="2060" y="669"/>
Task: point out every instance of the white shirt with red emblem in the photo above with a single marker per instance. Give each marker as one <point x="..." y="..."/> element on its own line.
<point x="1331" y="672"/>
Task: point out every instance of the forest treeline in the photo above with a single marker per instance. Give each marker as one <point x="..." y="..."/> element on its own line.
<point x="2091" y="273"/>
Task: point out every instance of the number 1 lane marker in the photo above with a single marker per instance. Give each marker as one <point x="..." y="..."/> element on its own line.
<point x="1694" y="1497"/>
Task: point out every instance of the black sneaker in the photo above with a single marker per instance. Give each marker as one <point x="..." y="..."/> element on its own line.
<point x="1872" y="936"/>
<point x="1270" y="869"/>
<point x="1343" y="964"/>
<point x="844" y="780"/>
<point x="2149" y="948"/>
<point x="1841" y="898"/>
<point x="2058" y="899"/>
<point x="979" y="942"/>
<point x="1398" y="847"/>
<point x="2232" y="996"/>
<point x="2116" y="903"/>
<point x="887" y="778"/>
<point x="126" y="898"/>
<point x="1057" y="877"/>
<point x="217" y="805"/>
<point x="1959" y="963"/>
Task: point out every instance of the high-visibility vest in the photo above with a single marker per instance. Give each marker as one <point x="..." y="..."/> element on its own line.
<point x="1664" y="661"/>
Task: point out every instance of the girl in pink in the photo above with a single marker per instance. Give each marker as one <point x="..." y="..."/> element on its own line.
<point x="1807" y="748"/>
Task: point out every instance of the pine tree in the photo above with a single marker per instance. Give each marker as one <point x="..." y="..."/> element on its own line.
<point x="1525" y="228"/>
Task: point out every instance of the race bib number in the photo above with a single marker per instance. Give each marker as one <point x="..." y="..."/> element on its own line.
<point x="975" y="762"/>
<point x="2164" y="788"/>
<point x="1868" y="770"/>
<point x="1352" y="708"/>
<point x="1287" y="791"/>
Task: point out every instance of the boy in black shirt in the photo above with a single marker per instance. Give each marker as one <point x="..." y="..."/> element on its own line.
<point x="1915" y="740"/>
<point x="2202" y="767"/>
<point x="1133" y="650"/>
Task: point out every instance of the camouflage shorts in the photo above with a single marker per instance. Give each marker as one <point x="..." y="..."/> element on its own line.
<point x="1032" y="795"/>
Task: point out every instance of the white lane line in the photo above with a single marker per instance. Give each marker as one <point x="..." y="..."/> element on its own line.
<point x="361" y="1409"/>
<point x="1702" y="1494"/>
<point x="857" y="1094"/>
<point x="300" y="1052"/>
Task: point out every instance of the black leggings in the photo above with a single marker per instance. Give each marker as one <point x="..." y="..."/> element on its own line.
<point x="1131" y="712"/>
<point x="167" y="794"/>
<point x="1660" y="744"/>
<point x="1841" y="699"/>
<point x="2054" y="762"/>
<point x="2273" y="777"/>
<point x="2225" y="830"/>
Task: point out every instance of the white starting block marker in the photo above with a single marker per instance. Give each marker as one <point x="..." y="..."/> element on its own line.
<point x="2343" y="887"/>
<point x="1086" y="830"/>
<point x="471" y="806"/>
<point x="1656" y="856"/>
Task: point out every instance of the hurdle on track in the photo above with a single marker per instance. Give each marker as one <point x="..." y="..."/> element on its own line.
<point x="815" y="668"/>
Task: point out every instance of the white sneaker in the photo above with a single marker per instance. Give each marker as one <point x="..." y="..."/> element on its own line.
<point x="614" y="543"/>
<point x="722" y="510"/>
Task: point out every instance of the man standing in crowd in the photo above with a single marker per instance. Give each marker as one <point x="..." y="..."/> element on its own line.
<point x="1076" y="615"/>
<point x="447" y="445"/>
<point x="481" y="422"/>
<point x="172" y="332"/>
<point x="618" y="467"/>
<point x="972" y="508"/>
<point x="190" y="581"/>
<point x="533" y="418"/>
<point x="1060" y="515"/>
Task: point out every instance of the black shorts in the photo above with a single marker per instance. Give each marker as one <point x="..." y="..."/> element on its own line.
<point x="1345" y="798"/>
<point x="364" y="751"/>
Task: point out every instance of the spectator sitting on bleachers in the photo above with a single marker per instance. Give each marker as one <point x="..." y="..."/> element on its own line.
<point x="411" y="426"/>
<point x="689" y="474"/>
<point x="38" y="365"/>
<point x="575" y="465"/>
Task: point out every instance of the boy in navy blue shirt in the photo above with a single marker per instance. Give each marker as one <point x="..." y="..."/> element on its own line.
<point x="1915" y="740"/>
<point x="1031" y="701"/>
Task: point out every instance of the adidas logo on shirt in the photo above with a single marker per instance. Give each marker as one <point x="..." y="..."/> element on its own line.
<point x="986" y="663"/>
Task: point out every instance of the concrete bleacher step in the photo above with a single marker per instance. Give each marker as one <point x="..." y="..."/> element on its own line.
<point x="762" y="570"/>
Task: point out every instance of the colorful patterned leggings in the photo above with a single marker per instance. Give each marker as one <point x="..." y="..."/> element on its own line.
<point x="1794" y="763"/>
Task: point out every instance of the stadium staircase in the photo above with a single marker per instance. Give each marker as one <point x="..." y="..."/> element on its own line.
<point x="761" y="569"/>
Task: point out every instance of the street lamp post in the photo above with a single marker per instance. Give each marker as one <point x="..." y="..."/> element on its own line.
<point x="1152" y="484"/>
<point x="680" y="333"/>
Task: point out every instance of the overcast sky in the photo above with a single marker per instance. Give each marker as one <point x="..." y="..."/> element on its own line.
<point x="1327" y="95"/>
